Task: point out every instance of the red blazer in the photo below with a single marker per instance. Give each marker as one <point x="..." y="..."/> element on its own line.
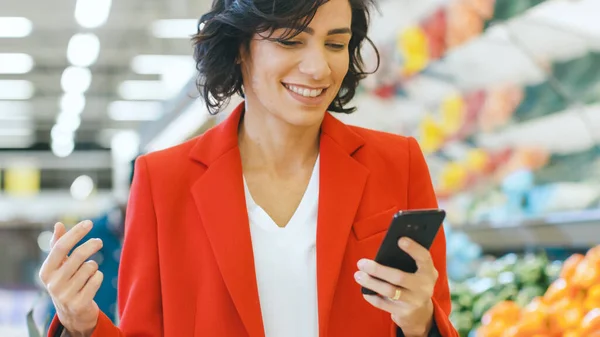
<point x="187" y="265"/>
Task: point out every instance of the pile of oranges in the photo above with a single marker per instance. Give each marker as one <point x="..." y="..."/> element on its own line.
<point x="569" y="308"/>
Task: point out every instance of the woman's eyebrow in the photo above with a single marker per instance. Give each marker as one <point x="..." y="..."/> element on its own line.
<point x="335" y="31"/>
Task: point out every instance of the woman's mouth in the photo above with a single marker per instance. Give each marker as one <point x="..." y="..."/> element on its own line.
<point x="305" y="92"/>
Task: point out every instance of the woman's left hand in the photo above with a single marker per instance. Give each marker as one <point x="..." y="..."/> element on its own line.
<point x="412" y="311"/>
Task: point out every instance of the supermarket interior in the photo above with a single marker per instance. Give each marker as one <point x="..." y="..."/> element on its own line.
<point x="503" y="96"/>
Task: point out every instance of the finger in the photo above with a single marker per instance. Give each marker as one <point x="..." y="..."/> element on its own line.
<point x="385" y="289"/>
<point x="59" y="231"/>
<point x="388" y="274"/>
<point x="382" y="303"/>
<point x="381" y="287"/>
<point x="419" y="253"/>
<point x="78" y="257"/>
<point x="49" y="266"/>
<point x="81" y="277"/>
<point x="91" y="287"/>
<point x="65" y="244"/>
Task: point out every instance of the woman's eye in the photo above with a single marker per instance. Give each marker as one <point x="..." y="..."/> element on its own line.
<point x="336" y="46"/>
<point x="288" y="43"/>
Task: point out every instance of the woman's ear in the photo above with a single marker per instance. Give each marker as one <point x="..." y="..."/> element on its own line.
<point x="242" y="54"/>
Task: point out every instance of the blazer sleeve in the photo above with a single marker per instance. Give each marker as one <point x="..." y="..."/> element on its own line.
<point x="140" y="305"/>
<point x="421" y="195"/>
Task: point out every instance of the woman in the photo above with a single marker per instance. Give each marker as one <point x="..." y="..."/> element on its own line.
<point x="263" y="226"/>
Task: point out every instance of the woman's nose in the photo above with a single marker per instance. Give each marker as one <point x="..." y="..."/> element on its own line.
<point x="315" y="63"/>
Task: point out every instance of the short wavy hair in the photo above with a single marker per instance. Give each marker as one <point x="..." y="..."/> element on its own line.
<point x="231" y="24"/>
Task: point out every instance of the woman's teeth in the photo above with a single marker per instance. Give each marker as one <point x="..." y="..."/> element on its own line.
<point x="303" y="91"/>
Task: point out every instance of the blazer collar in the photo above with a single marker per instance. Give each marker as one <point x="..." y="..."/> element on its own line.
<point x="220" y="200"/>
<point x="224" y="137"/>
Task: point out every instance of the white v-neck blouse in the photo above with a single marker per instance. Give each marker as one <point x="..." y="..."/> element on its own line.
<point x="285" y="262"/>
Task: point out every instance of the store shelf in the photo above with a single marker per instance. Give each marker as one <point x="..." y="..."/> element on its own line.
<point x="565" y="230"/>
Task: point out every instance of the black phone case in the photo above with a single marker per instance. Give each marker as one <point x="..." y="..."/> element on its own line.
<point x="420" y="225"/>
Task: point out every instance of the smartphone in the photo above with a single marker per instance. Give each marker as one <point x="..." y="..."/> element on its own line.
<point x="421" y="226"/>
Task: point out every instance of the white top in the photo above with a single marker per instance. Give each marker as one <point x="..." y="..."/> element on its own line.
<point x="286" y="267"/>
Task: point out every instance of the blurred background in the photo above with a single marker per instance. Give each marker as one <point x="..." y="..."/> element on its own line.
<point x="503" y="96"/>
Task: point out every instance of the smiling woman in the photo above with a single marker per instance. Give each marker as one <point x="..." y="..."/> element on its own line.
<point x="277" y="31"/>
<point x="264" y="226"/>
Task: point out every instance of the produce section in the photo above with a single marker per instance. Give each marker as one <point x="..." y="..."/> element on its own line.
<point x="513" y="278"/>
<point x="541" y="301"/>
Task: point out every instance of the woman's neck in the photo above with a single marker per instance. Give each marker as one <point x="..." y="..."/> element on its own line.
<point x="267" y="142"/>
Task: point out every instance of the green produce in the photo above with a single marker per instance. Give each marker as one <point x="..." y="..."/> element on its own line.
<point x="511" y="277"/>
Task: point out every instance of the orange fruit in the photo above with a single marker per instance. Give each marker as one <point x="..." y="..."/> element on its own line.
<point x="590" y="323"/>
<point x="561" y="290"/>
<point x="587" y="273"/>
<point x="594" y="254"/>
<point x="494" y="329"/>
<point x="570" y="265"/>
<point x="508" y="311"/>
<point x="571" y="317"/>
<point x="592" y="299"/>
<point x="537" y="304"/>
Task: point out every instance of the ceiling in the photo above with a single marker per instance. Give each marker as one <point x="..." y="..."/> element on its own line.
<point x="512" y="51"/>
<point x="27" y="122"/>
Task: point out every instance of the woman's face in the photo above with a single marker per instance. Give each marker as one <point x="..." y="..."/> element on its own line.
<point x="296" y="80"/>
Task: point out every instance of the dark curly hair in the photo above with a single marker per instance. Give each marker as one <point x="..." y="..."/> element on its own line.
<point x="232" y="23"/>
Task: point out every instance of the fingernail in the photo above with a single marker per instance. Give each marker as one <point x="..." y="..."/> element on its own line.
<point x="404" y="243"/>
<point x="87" y="224"/>
<point x="362" y="263"/>
<point x="357" y="276"/>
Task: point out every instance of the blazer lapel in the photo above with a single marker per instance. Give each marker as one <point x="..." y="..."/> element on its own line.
<point x="342" y="183"/>
<point x="220" y="200"/>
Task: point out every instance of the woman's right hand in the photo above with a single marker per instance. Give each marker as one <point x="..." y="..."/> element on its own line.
<point x="71" y="281"/>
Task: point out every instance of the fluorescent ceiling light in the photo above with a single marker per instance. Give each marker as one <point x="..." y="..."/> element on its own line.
<point x="76" y="79"/>
<point x="16" y="89"/>
<point x="15" y="63"/>
<point x="82" y="187"/>
<point x="63" y="140"/>
<point x="18" y="137"/>
<point x="15" y="110"/>
<point x="135" y="110"/>
<point x="16" y="132"/>
<point x="63" y="149"/>
<point x="125" y="145"/>
<point x="68" y="121"/>
<point x="61" y="134"/>
<point x="174" y="29"/>
<point x="161" y="64"/>
<point x="14" y="27"/>
<point x="16" y="142"/>
<point x="143" y="90"/>
<point x="92" y="13"/>
<point x="83" y="50"/>
<point x="72" y="103"/>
